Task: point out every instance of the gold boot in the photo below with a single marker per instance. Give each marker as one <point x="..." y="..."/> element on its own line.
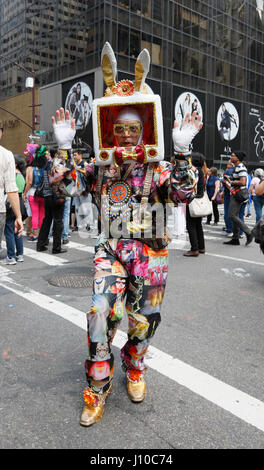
<point x="93" y="410"/>
<point x="136" y="389"/>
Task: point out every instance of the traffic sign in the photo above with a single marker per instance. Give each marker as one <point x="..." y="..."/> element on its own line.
<point x="40" y="132"/>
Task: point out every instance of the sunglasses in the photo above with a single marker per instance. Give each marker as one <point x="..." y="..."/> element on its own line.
<point x="132" y="129"/>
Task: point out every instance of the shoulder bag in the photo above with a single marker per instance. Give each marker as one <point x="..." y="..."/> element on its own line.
<point x="201" y="207"/>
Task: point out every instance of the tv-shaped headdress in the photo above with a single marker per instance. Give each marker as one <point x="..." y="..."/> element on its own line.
<point x="126" y="100"/>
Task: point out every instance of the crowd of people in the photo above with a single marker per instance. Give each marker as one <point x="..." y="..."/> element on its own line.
<point x="44" y="215"/>
<point x="222" y="193"/>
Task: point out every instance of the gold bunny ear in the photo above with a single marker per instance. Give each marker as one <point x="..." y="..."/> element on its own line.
<point x="109" y="65"/>
<point x="141" y="69"/>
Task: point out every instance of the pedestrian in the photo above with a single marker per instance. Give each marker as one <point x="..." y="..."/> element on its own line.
<point x="194" y="224"/>
<point x="34" y="176"/>
<point x="259" y="190"/>
<point x="258" y="201"/>
<point x="66" y="211"/>
<point x="212" y="187"/>
<point x="236" y="185"/>
<point x="246" y="205"/>
<point x="230" y="168"/>
<point x="8" y="186"/>
<point x="14" y="243"/>
<point x="54" y="207"/>
<point x="179" y="213"/>
<point x="130" y="267"/>
<point x="29" y="153"/>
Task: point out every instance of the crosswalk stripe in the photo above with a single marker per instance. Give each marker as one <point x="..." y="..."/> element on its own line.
<point x="81" y="247"/>
<point x="240" y="404"/>
<point x="44" y="257"/>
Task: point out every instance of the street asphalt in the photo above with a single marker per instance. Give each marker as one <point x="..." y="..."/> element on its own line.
<point x="212" y="320"/>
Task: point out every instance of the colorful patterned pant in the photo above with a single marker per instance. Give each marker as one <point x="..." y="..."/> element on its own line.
<point x="128" y="275"/>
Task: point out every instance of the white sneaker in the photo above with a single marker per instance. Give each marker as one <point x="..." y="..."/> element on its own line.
<point x="7" y="260"/>
<point x="20" y="258"/>
<point x="229" y="235"/>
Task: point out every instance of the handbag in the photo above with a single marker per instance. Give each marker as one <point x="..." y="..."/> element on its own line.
<point x="219" y="198"/>
<point x="39" y="188"/>
<point x="9" y="211"/>
<point x="200" y="207"/>
<point x="242" y="195"/>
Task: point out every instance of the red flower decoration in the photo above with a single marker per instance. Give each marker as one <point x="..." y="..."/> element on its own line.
<point x="125" y="88"/>
<point x="134" y="375"/>
<point x="89" y="397"/>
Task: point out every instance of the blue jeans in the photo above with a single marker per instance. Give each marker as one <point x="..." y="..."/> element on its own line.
<point x="258" y="205"/>
<point x="228" y="222"/>
<point x="14" y="244"/>
<point x="66" y="218"/>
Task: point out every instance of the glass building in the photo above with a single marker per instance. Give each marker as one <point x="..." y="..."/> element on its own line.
<point x="205" y="55"/>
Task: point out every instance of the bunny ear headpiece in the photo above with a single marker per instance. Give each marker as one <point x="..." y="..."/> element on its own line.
<point x="125" y="95"/>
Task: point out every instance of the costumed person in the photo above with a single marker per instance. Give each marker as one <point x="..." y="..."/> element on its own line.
<point x="131" y="253"/>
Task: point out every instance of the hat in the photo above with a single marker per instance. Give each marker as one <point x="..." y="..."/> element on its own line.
<point x="259" y="172"/>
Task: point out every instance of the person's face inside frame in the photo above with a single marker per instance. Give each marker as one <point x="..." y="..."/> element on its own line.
<point x="127" y="133"/>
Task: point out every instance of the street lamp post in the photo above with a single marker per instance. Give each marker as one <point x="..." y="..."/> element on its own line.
<point x="30" y="83"/>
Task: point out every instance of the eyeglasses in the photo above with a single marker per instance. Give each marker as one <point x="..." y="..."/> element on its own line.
<point x="132" y="129"/>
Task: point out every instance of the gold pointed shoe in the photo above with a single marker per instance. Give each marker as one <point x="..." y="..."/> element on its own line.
<point x="136" y="389"/>
<point x="93" y="409"/>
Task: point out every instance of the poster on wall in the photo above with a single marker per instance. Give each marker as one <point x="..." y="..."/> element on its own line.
<point x="78" y="98"/>
<point x="228" y="127"/>
<point x="187" y="101"/>
<point x="256" y="134"/>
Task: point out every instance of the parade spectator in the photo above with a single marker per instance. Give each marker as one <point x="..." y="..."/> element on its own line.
<point x="14" y="243"/>
<point x="259" y="190"/>
<point x="238" y="182"/>
<point x="230" y="168"/>
<point x="212" y="187"/>
<point x="53" y="212"/>
<point x="194" y="224"/>
<point x="34" y="176"/>
<point x="179" y="214"/>
<point x="83" y="203"/>
<point x="8" y="186"/>
<point x="29" y="158"/>
<point x="258" y="201"/>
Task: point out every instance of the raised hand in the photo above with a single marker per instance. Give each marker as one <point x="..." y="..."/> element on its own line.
<point x="64" y="129"/>
<point x="183" y="137"/>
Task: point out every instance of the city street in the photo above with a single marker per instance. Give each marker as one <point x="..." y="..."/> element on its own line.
<point x="205" y="379"/>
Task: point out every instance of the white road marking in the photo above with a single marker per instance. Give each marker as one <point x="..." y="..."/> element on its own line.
<point x="81" y="247"/>
<point x="182" y="245"/>
<point x="43" y="256"/>
<point x="240" y="404"/>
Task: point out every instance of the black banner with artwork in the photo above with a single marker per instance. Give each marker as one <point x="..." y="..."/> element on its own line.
<point x="77" y="97"/>
<point x="256" y="135"/>
<point x="227" y="135"/>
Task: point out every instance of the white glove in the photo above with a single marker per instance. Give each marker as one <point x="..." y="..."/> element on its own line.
<point x="64" y="134"/>
<point x="183" y="137"/>
<point x="64" y="129"/>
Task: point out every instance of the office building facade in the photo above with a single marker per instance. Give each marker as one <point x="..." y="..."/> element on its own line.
<point x="205" y="55"/>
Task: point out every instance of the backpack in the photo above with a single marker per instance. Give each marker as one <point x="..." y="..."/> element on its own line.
<point x="37" y="176"/>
